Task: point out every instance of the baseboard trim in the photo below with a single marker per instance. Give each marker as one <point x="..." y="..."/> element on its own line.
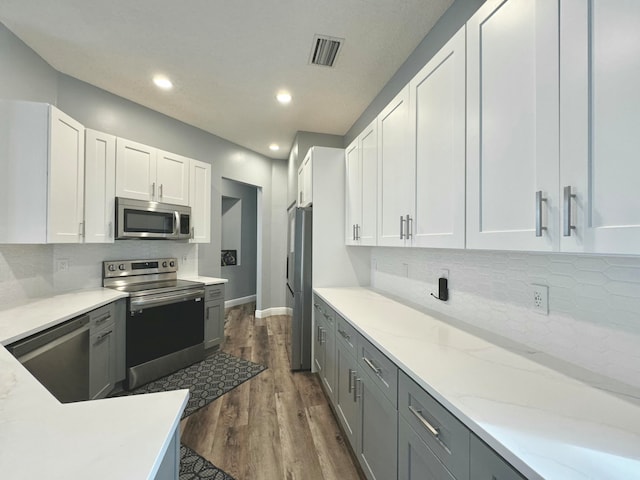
<point x="268" y="312"/>
<point x="239" y="301"/>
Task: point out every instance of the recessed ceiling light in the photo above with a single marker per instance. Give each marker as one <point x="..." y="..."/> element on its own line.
<point x="274" y="147"/>
<point x="162" y="82"/>
<point x="283" y="97"/>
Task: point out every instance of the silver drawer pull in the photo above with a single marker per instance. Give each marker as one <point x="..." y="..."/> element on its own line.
<point x="350" y="380"/>
<point x="102" y="337"/>
<point x="568" y="226"/>
<point x="418" y="414"/>
<point x="103" y="318"/>
<point x="356" y="395"/>
<point x="345" y="335"/>
<point x="539" y="200"/>
<point x="377" y="370"/>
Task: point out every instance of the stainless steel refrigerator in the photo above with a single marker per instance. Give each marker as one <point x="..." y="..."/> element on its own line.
<point x="299" y="296"/>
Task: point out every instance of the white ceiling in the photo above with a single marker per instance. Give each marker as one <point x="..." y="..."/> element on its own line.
<point x="228" y="58"/>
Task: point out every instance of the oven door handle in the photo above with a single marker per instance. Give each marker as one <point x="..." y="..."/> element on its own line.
<point x="148" y="301"/>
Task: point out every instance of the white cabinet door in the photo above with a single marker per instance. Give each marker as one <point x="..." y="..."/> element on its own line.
<point x="200" y="201"/>
<point x="172" y="178"/>
<point x="353" y="194"/>
<point x="513" y="125"/>
<point x="396" y="173"/>
<point x="600" y="114"/>
<point x="135" y="170"/>
<point x="65" y="212"/>
<point x="368" y="146"/>
<point x="438" y="110"/>
<point x="100" y="186"/>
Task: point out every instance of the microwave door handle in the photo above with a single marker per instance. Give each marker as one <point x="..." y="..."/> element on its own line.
<point x="176" y="226"/>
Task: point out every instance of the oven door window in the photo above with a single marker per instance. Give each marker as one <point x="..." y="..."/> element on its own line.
<point x="159" y="331"/>
<point x="138" y="221"/>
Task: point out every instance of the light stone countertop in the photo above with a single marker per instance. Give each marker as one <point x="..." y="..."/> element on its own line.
<point x="123" y="437"/>
<point x="545" y="423"/>
<point x="205" y="280"/>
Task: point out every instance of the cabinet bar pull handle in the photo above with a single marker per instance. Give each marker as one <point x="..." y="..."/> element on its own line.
<point x="377" y="370"/>
<point x="102" y="337"/>
<point x="566" y="231"/>
<point x="193" y="232"/>
<point x="160" y="189"/>
<point x="103" y="318"/>
<point x="409" y="227"/>
<point x="418" y="414"/>
<point x="345" y="335"/>
<point x="353" y="231"/>
<point x="318" y="337"/>
<point x="357" y="231"/>
<point x="110" y="229"/>
<point x="356" y="395"/>
<point x="401" y="227"/>
<point x="350" y="380"/>
<point x="153" y="190"/>
<point x="539" y="200"/>
<point x="324" y="336"/>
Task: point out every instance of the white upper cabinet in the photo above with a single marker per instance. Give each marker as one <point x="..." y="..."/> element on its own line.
<point x="65" y="212"/>
<point x="305" y="181"/>
<point x="600" y="115"/>
<point x="172" y="178"/>
<point x="146" y="173"/>
<point x="395" y="174"/>
<point x="437" y="141"/>
<point x="200" y="201"/>
<point x="42" y="181"/>
<point x="362" y="188"/>
<point x="100" y="186"/>
<point x="513" y="125"/>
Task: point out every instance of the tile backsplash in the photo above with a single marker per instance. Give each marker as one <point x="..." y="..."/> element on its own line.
<point x="31" y="271"/>
<point x="594" y="301"/>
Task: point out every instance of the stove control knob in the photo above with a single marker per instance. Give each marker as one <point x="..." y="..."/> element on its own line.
<point x="172" y="263"/>
<point x="164" y="264"/>
<point x="111" y="268"/>
<point x="121" y="266"/>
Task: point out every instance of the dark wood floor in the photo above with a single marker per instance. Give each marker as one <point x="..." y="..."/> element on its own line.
<point x="278" y="425"/>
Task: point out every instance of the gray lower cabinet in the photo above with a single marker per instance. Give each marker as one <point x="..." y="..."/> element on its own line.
<point x="378" y="424"/>
<point x="488" y="465"/>
<point x="346" y="396"/>
<point x="415" y="460"/>
<point x="213" y="316"/>
<point x="318" y="347"/>
<point x="324" y="356"/>
<point x="106" y="348"/>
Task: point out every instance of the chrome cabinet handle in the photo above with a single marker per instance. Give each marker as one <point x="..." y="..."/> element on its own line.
<point x="102" y="337"/>
<point x="409" y="233"/>
<point x="324" y="336"/>
<point x="566" y="231"/>
<point x="377" y="370"/>
<point x="193" y="232"/>
<point x="357" y="231"/>
<point x="81" y="229"/>
<point x="110" y="229"/>
<point x="160" y="189"/>
<point x="102" y="318"/>
<point x="319" y="336"/>
<point x="350" y="380"/>
<point x="401" y="227"/>
<point x="153" y="190"/>
<point x="418" y="414"/>
<point x="345" y="335"/>
<point x="539" y="200"/>
<point x="356" y="395"/>
<point x="353" y="232"/>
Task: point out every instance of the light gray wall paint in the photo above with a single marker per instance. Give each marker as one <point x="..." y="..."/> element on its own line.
<point x="33" y="79"/>
<point x="301" y="144"/>
<point x="278" y="252"/>
<point x="242" y="278"/>
<point x="25" y="76"/>
<point x="453" y="19"/>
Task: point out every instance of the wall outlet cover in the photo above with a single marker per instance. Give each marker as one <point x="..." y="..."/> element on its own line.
<point x="540" y="298"/>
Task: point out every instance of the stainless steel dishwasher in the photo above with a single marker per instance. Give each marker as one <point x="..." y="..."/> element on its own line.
<point x="59" y="358"/>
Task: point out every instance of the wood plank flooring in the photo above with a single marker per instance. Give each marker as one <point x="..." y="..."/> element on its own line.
<point x="277" y="425"/>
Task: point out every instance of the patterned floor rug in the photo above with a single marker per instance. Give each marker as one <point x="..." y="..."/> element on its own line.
<point x="194" y="467"/>
<point x="206" y="380"/>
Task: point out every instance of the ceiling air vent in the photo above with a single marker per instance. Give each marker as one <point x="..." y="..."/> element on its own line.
<point x="325" y="50"/>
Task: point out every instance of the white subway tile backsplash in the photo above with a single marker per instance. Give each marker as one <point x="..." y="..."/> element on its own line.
<point x="594" y="301"/>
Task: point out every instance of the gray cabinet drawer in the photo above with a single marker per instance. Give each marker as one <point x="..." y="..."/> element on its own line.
<point x="415" y="460"/>
<point x="444" y="434"/>
<point x="102" y="317"/>
<point x="382" y="371"/>
<point x="347" y="335"/>
<point x="326" y="312"/>
<point x="213" y="292"/>
<point x="488" y="465"/>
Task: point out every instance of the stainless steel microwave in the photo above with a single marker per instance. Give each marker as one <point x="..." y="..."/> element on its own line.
<point x="152" y="220"/>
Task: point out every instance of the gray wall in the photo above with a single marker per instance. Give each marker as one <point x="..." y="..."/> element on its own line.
<point x="242" y="277"/>
<point x="33" y="79"/>
<point x="453" y="19"/>
<point x="301" y="144"/>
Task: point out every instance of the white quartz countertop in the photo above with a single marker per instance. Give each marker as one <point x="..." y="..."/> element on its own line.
<point x="546" y="424"/>
<point x="205" y="280"/>
<point x="123" y="437"/>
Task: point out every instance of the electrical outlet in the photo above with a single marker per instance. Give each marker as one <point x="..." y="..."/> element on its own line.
<point x="540" y="298"/>
<point x="62" y="265"/>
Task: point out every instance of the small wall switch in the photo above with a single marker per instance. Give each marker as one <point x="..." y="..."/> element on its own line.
<point x="540" y="298"/>
<point x="62" y="265"/>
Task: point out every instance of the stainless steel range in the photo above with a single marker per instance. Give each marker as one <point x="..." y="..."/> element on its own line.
<point x="165" y="319"/>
